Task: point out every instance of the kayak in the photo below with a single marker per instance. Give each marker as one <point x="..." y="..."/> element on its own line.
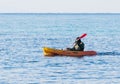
<point x="58" y="52"/>
<point x="54" y="52"/>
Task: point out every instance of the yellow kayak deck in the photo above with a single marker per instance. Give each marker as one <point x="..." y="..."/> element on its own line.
<point x="53" y="52"/>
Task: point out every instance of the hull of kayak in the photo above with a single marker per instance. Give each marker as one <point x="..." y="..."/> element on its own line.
<point x="53" y="52"/>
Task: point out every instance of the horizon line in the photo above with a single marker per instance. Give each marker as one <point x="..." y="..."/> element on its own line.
<point x="61" y="13"/>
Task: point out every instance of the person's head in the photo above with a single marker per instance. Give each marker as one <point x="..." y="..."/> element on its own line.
<point x="78" y="40"/>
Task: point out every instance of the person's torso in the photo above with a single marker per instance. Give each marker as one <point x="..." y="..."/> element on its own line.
<point x="79" y="46"/>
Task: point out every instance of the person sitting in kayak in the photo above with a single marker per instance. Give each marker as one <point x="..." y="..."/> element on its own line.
<point x="78" y="45"/>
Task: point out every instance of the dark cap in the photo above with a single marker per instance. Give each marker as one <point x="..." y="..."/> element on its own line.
<point x="78" y="39"/>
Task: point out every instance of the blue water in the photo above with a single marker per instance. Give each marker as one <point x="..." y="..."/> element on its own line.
<point x="22" y="37"/>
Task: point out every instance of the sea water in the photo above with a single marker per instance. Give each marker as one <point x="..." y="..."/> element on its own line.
<point x="22" y="37"/>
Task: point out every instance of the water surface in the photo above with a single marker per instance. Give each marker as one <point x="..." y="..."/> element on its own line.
<point x="22" y="37"/>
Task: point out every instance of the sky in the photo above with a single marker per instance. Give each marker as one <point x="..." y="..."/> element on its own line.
<point x="59" y="6"/>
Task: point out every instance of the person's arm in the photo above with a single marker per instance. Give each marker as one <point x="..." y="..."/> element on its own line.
<point x="82" y="46"/>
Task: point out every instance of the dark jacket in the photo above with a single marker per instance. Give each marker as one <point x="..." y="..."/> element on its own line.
<point x="78" y="46"/>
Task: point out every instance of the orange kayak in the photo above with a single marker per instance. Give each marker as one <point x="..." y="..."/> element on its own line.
<point x="53" y="52"/>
